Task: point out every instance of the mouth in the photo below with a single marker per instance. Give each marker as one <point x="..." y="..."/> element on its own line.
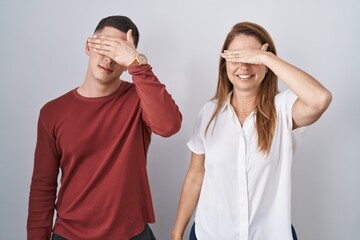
<point x="244" y="76"/>
<point x="105" y="69"/>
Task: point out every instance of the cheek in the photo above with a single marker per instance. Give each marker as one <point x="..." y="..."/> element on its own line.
<point x="92" y="61"/>
<point x="119" y="68"/>
<point x="229" y="72"/>
<point x="230" y="68"/>
<point x="262" y="70"/>
<point x="94" y="57"/>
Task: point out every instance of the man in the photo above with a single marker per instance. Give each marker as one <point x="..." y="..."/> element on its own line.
<point x="98" y="135"/>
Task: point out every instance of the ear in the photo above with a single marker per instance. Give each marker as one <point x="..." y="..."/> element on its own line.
<point x="87" y="48"/>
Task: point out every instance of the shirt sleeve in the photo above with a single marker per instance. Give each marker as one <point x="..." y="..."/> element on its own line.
<point x="160" y="111"/>
<point x="298" y="133"/>
<point x="197" y="142"/>
<point x="43" y="185"/>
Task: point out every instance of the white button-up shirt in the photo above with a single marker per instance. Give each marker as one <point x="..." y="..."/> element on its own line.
<point x="245" y="194"/>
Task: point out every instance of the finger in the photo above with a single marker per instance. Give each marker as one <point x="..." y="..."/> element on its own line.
<point x="264" y="47"/>
<point x="103" y="52"/>
<point x="101" y="47"/>
<point x="229" y="58"/>
<point x="129" y="36"/>
<point x="101" y="41"/>
<point x="109" y="41"/>
<point x="227" y="55"/>
<point x="231" y="54"/>
<point x="105" y="38"/>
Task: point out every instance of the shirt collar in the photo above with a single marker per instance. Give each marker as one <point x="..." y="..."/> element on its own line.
<point x="227" y="102"/>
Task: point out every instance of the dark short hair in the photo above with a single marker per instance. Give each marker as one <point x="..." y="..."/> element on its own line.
<point x="121" y="23"/>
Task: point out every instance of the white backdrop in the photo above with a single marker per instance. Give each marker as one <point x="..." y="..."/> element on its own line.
<point x="42" y="56"/>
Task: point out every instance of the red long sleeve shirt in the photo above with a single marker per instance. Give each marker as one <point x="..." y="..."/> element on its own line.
<point x="100" y="146"/>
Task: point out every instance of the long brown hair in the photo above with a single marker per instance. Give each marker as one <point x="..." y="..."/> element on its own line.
<point x="265" y="100"/>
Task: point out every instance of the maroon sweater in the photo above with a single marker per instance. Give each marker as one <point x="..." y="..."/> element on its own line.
<point x="100" y="145"/>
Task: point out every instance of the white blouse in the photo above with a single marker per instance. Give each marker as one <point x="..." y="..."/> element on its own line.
<point x="245" y="195"/>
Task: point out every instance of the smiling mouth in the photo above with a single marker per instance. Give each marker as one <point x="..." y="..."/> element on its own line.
<point x="105" y="69"/>
<point x="244" y="76"/>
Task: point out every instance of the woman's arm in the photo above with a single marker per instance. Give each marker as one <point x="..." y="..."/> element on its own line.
<point x="313" y="98"/>
<point x="189" y="195"/>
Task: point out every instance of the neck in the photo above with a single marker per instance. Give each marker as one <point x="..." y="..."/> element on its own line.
<point x="93" y="90"/>
<point x="243" y="104"/>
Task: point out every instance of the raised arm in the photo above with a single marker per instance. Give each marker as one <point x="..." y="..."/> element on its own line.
<point x="189" y="195"/>
<point x="313" y="98"/>
<point x="160" y="111"/>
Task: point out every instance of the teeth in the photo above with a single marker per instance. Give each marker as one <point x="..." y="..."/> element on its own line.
<point x="244" y="76"/>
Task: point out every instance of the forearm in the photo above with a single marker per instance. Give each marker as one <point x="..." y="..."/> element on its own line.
<point x="41" y="203"/>
<point x="160" y="110"/>
<point x="188" y="201"/>
<point x="40" y="214"/>
<point x="307" y="88"/>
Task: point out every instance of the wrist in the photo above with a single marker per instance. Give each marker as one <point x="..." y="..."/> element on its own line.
<point x="140" y="59"/>
<point x="134" y="63"/>
<point x="267" y="57"/>
<point x="177" y="235"/>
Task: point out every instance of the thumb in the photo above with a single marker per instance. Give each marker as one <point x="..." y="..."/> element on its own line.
<point x="129" y="36"/>
<point x="264" y="47"/>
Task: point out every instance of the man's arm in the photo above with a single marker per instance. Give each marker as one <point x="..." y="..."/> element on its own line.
<point x="159" y="109"/>
<point x="43" y="186"/>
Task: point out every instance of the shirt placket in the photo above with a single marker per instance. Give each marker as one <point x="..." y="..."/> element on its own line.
<point x="244" y="199"/>
<point x="242" y="176"/>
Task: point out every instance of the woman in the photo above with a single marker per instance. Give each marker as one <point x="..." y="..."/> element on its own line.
<point x="243" y="142"/>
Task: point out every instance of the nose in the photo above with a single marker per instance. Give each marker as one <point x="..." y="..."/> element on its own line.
<point x="108" y="60"/>
<point x="243" y="66"/>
